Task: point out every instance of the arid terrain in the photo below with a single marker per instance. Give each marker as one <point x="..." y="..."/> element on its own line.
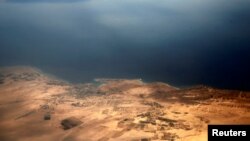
<point x="35" y="106"/>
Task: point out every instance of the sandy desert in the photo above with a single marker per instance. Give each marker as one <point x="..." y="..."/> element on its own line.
<point x="36" y="106"/>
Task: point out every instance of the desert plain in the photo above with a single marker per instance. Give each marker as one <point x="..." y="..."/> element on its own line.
<point x="36" y="106"/>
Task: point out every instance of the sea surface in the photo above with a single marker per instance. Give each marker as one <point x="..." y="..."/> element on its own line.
<point x="180" y="42"/>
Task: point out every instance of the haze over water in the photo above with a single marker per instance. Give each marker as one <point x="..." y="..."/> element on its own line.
<point x="180" y="42"/>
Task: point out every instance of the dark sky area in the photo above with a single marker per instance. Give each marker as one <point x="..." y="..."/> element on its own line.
<point x="180" y="42"/>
